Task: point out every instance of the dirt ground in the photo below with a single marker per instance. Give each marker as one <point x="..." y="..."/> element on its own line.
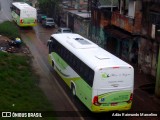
<point x="6" y="47"/>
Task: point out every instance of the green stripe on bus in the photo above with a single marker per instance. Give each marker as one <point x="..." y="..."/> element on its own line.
<point x="83" y="90"/>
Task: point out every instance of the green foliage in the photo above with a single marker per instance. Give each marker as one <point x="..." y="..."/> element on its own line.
<point x="9" y="29"/>
<point x="26" y="1"/>
<point x="18" y="85"/>
<point x="50" y="7"/>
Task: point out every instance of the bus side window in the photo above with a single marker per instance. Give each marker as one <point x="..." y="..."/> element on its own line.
<point x="90" y="77"/>
<point x="52" y="45"/>
<point x="86" y="72"/>
<point x="66" y="56"/>
<point x="70" y="58"/>
<point x="74" y="62"/>
<point x="50" y="48"/>
<point x="14" y="8"/>
<point x="64" y="53"/>
<point x="77" y="64"/>
<point x="81" y="67"/>
<point x="17" y="11"/>
<point x="58" y="49"/>
<point x="54" y="42"/>
<point x="61" y="50"/>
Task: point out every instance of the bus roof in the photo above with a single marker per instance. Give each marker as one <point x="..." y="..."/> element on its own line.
<point x="22" y="5"/>
<point x="89" y="52"/>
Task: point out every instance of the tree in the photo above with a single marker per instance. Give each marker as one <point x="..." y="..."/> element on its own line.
<point x="50" y="7"/>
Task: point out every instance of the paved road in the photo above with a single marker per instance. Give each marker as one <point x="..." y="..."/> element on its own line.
<point x="5" y="12"/>
<point x="48" y="81"/>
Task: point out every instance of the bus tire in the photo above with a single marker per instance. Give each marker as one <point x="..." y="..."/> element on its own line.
<point x="73" y="89"/>
<point x="52" y="64"/>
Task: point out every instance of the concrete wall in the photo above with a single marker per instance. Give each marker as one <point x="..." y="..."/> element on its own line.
<point x="81" y="26"/>
<point x="98" y="36"/>
<point x="148" y="52"/>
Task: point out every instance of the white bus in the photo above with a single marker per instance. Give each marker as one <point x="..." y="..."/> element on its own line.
<point x="24" y="14"/>
<point x="99" y="79"/>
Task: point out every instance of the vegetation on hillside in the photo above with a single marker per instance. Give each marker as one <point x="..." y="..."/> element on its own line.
<point x="18" y="85"/>
<point x="19" y="91"/>
<point x="9" y="29"/>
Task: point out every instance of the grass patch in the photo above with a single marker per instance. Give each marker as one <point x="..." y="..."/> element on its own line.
<point x="9" y="29"/>
<point x="18" y="86"/>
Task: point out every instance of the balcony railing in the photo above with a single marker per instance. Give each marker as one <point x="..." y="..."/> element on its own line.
<point x="132" y="25"/>
<point x="154" y="18"/>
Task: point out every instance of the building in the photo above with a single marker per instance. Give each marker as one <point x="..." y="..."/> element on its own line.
<point x="129" y="29"/>
<point x="71" y="6"/>
<point x="152" y="27"/>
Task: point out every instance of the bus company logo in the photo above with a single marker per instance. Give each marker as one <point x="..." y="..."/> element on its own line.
<point x="105" y="75"/>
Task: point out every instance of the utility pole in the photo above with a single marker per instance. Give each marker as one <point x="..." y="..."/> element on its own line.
<point x="157" y="87"/>
<point x="78" y="5"/>
<point x="71" y="3"/>
<point x="89" y="5"/>
<point x="122" y="6"/>
<point x="111" y="5"/>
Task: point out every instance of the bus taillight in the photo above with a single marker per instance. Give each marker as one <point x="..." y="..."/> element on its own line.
<point x="95" y="101"/>
<point x="21" y="21"/>
<point x="131" y="97"/>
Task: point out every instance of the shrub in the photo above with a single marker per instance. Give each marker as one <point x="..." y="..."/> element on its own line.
<point x="9" y="29"/>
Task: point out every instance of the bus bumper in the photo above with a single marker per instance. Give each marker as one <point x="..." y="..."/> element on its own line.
<point x="124" y="107"/>
<point x="28" y="25"/>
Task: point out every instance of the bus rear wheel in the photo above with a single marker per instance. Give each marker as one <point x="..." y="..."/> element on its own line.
<point x="73" y="90"/>
<point x="52" y="63"/>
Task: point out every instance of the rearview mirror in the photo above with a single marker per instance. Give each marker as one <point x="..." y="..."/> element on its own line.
<point x="49" y="41"/>
<point x="11" y="8"/>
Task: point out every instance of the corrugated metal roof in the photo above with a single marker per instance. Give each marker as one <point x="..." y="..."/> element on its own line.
<point x="83" y="14"/>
